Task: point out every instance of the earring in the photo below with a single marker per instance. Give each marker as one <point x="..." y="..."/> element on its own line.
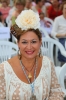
<point x="40" y="53"/>
<point x="19" y="54"/>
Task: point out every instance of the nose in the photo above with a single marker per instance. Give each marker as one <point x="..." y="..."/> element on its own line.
<point x="29" y="45"/>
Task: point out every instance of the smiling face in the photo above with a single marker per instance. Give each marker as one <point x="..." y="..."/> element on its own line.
<point x="29" y="45"/>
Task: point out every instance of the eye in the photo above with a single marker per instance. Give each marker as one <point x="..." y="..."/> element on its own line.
<point x="33" y="41"/>
<point x="24" y="42"/>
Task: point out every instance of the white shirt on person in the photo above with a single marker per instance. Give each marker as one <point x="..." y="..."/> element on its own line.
<point x="59" y="26"/>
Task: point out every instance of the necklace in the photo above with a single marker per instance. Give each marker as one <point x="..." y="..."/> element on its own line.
<point x="29" y="75"/>
<point x="33" y="97"/>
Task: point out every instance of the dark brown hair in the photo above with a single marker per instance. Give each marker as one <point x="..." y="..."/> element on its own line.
<point x="17" y="32"/>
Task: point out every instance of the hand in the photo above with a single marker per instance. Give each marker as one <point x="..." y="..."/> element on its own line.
<point x="48" y="24"/>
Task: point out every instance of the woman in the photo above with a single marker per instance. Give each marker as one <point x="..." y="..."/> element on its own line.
<point x="59" y="31"/>
<point x="28" y="75"/>
<point x="2" y="21"/>
<point x="54" y="10"/>
<point x="40" y="7"/>
<point x="19" y="4"/>
<point x="5" y="9"/>
<point x="28" y="4"/>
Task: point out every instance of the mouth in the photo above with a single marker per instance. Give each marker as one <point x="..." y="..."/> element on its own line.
<point x="29" y="52"/>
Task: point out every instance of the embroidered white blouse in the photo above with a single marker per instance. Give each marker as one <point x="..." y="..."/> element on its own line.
<point x="46" y="85"/>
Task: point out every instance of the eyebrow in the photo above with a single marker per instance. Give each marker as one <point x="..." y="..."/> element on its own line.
<point x="31" y="40"/>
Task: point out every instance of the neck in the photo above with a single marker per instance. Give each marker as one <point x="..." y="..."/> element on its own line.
<point x="28" y="63"/>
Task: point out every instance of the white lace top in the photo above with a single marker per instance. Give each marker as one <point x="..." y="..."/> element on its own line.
<point x="46" y="86"/>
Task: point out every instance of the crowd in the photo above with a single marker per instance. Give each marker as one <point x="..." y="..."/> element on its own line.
<point x="50" y="9"/>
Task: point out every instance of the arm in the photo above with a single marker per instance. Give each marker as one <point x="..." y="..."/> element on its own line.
<point x="2" y="83"/>
<point x="61" y="35"/>
<point x="55" y="90"/>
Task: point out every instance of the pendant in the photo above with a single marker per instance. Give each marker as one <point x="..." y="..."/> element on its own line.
<point x="33" y="97"/>
<point x="29" y="76"/>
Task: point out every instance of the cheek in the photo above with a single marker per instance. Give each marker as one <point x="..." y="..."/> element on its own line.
<point x="22" y="47"/>
<point x="37" y="47"/>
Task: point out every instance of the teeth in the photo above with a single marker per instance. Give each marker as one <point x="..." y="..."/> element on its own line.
<point x="29" y="52"/>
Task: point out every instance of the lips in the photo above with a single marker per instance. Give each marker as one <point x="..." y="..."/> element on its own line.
<point x="29" y="52"/>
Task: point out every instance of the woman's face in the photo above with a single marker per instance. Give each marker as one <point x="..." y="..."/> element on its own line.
<point x="20" y="7"/>
<point x="29" y="45"/>
<point x="41" y="3"/>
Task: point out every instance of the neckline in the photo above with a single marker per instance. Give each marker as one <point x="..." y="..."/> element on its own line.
<point x="20" y="79"/>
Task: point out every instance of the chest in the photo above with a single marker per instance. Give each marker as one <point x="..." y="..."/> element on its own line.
<point x="19" y="89"/>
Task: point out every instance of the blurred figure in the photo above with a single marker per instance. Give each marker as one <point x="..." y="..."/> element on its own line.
<point x="40" y="7"/>
<point x="44" y="23"/>
<point x="5" y="9"/>
<point x="20" y="4"/>
<point x="47" y="4"/>
<point x="33" y="2"/>
<point x="2" y="21"/>
<point x="59" y="31"/>
<point x="28" y="4"/>
<point x="54" y="10"/>
<point x="0" y="4"/>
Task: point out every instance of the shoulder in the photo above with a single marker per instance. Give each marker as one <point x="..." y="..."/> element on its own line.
<point x="13" y="61"/>
<point x="59" y="17"/>
<point x="47" y="64"/>
<point x="46" y="59"/>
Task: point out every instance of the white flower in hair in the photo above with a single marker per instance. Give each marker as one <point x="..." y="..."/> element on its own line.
<point x="28" y="19"/>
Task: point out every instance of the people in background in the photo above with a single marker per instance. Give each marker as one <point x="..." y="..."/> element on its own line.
<point x="28" y="75"/>
<point x="20" y="4"/>
<point x="33" y="2"/>
<point x="54" y="10"/>
<point x="28" y="4"/>
<point x="59" y="31"/>
<point x="45" y="24"/>
<point x="2" y="21"/>
<point x="5" y="9"/>
<point x="40" y="7"/>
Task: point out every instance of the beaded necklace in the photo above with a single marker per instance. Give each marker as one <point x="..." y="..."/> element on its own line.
<point x="33" y="97"/>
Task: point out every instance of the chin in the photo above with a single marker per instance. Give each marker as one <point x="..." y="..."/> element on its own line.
<point x="30" y="56"/>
